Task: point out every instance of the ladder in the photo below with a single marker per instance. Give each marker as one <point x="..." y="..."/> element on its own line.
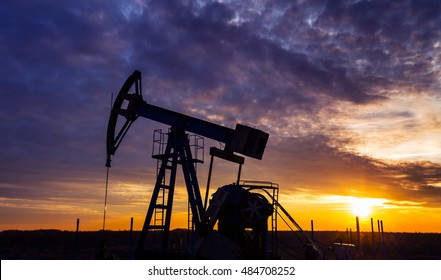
<point x="159" y="144"/>
<point x="196" y="143"/>
<point x="177" y="151"/>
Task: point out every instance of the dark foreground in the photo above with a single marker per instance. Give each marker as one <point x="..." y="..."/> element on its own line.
<point x="58" y="245"/>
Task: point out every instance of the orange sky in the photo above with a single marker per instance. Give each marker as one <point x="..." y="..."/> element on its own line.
<point x="329" y="211"/>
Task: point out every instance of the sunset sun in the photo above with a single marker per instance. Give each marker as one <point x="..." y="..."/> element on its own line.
<point x="362" y="207"/>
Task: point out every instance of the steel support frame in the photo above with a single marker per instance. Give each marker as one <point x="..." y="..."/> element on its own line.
<point x="178" y="150"/>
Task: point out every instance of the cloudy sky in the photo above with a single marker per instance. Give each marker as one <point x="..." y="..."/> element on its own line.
<point x="349" y="91"/>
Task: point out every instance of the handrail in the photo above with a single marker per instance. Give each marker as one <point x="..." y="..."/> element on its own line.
<point x="291" y="219"/>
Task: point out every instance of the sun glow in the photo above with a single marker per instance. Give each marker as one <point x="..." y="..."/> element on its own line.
<point x="363" y="207"/>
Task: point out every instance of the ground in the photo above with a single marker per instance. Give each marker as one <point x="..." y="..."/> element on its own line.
<point x="56" y="244"/>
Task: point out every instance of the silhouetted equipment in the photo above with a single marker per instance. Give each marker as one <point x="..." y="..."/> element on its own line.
<point x="242" y="209"/>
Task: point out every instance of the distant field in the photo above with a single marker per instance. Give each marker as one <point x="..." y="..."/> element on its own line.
<point x="56" y="245"/>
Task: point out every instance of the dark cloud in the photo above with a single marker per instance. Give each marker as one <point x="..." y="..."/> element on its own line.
<point x="312" y="163"/>
<point x="421" y="181"/>
<point x="204" y="51"/>
<point x="392" y="37"/>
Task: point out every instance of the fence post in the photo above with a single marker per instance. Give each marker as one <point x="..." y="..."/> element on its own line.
<point x="131" y="240"/>
<point x="358" y="237"/>
<point x="382" y="238"/>
<point x="373" y="239"/>
<point x="76" y="239"/>
<point x="379" y="240"/>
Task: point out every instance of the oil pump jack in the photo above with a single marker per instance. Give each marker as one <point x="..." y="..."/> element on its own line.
<point x="238" y="209"/>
